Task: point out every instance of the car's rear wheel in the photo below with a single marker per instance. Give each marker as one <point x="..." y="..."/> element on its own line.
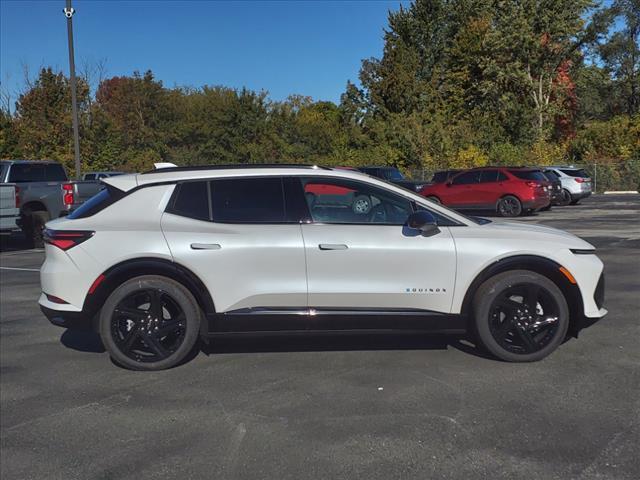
<point x="509" y="206"/>
<point x="34" y="228"/>
<point x="575" y="202"/>
<point x="434" y="199"/>
<point x="150" y="323"/>
<point x="565" y="198"/>
<point x="520" y="316"/>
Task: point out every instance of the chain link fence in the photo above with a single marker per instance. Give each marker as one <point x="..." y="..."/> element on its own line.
<point x="606" y="176"/>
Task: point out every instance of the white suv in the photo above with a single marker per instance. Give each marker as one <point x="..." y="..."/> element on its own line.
<point x="576" y="183"/>
<point x="159" y="259"/>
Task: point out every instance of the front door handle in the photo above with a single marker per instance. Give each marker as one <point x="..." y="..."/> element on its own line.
<point x="205" y="246"/>
<point x="332" y="246"/>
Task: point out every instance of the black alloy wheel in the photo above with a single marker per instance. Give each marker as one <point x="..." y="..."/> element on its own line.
<point x="150" y="322"/>
<point x="148" y="325"/>
<point x="565" y="198"/>
<point x="524" y="318"/>
<point x="520" y="316"/>
<point x="509" y="206"/>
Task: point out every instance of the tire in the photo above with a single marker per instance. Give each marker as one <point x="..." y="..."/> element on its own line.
<point x="434" y="199"/>
<point x="519" y="337"/>
<point x="565" y="198"/>
<point x="509" y="206"/>
<point x="575" y="202"/>
<point x="361" y="204"/>
<point x="34" y="228"/>
<point x="124" y="320"/>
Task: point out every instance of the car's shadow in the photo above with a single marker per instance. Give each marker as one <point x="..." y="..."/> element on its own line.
<point x="85" y="341"/>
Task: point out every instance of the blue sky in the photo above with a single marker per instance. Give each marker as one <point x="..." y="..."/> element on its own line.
<point x="304" y="47"/>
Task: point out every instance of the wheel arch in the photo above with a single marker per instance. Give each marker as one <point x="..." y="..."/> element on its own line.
<point x="121" y="272"/>
<point x="33" y="206"/>
<point x="541" y="265"/>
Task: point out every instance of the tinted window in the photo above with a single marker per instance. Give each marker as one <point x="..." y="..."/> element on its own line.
<point x="580" y="173"/>
<point x="393" y="174"/>
<point x="529" y="175"/>
<point x="502" y="177"/>
<point x="248" y="200"/>
<point x="27" y="172"/>
<point x="467" y="178"/>
<point x="488" y="176"/>
<point x="551" y="175"/>
<point x="344" y="201"/>
<point x="90" y="176"/>
<point x="97" y="203"/>
<point x="55" y="173"/>
<point x="191" y="199"/>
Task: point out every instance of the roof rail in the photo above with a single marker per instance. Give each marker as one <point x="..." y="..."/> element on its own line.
<point x="234" y="166"/>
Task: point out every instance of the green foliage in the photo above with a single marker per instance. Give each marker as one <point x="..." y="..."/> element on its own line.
<point x="460" y="83"/>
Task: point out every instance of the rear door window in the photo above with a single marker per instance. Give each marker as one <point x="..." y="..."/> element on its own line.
<point x="248" y="200"/>
<point x="536" y="175"/>
<point x="579" y="173"/>
<point x="487" y="176"/>
<point x="467" y="178"/>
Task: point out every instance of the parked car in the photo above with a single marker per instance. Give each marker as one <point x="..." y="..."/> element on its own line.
<point x="99" y="175"/>
<point x="443" y="176"/>
<point x="9" y="208"/>
<point x="557" y="198"/>
<point x="44" y="192"/>
<point x="393" y="175"/>
<point x="576" y="183"/>
<point x="158" y="259"/>
<point x="508" y="191"/>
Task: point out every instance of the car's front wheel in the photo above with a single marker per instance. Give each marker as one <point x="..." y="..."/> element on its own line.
<point x="520" y="316"/>
<point x="150" y="323"/>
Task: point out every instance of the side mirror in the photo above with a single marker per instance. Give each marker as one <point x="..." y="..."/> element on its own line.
<point x="424" y="221"/>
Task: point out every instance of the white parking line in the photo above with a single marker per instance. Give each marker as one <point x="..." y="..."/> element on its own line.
<point x="21" y="269"/>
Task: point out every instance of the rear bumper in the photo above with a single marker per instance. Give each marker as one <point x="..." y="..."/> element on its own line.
<point x="580" y="195"/>
<point x="72" y="320"/>
<point x="536" y="203"/>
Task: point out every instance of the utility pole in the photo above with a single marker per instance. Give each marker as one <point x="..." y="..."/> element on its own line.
<point x="68" y="12"/>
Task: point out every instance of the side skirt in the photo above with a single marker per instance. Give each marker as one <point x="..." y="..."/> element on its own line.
<point x="281" y="320"/>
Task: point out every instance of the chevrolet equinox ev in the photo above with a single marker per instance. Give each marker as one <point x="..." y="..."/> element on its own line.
<point x="158" y="260"/>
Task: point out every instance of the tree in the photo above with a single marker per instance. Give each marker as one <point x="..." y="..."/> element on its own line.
<point x="621" y="54"/>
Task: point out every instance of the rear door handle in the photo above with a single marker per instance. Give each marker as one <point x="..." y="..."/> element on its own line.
<point x="332" y="246"/>
<point x="205" y="246"/>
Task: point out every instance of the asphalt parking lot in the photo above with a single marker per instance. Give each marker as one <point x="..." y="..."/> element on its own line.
<point x="366" y="407"/>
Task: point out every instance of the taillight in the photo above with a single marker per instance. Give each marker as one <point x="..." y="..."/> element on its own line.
<point x="65" y="239"/>
<point x="67" y="194"/>
<point x="17" y="196"/>
<point x="54" y="299"/>
<point x="579" y="180"/>
<point x="533" y="184"/>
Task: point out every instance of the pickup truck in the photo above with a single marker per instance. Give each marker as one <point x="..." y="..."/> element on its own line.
<point x="9" y="209"/>
<point x="44" y="192"/>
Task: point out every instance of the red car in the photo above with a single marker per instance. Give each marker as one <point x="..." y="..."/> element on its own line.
<point x="508" y="191"/>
